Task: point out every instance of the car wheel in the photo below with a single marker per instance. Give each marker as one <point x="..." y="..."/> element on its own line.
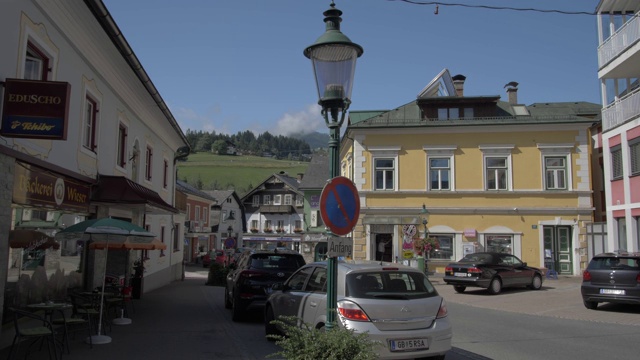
<point x="236" y="310"/>
<point x="495" y="286"/>
<point x="459" y="288"/>
<point x="591" y="305"/>
<point x="536" y="283"/>
<point x="227" y="299"/>
<point x="269" y="328"/>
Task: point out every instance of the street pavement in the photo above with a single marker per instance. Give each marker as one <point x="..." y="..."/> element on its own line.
<point x="178" y="321"/>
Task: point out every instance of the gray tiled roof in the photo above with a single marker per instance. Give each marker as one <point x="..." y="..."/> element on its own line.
<point x="317" y="172"/>
<point x="188" y="189"/>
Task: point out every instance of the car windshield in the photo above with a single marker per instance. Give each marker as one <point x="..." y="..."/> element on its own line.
<point x="614" y="263"/>
<point x="389" y="284"/>
<point x="477" y="258"/>
<point x="275" y="261"/>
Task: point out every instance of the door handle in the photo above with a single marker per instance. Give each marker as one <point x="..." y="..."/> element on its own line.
<point x="313" y="304"/>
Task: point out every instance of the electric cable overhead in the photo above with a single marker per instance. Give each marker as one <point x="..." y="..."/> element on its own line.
<point x="439" y="3"/>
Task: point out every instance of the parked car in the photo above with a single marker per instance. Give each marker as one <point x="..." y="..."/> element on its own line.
<point x="213" y="255"/>
<point x="492" y="271"/>
<point x="611" y="277"/>
<point x="251" y="277"/>
<point x="395" y="305"/>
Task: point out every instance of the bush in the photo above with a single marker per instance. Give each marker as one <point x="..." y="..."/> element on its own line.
<point x="217" y="274"/>
<point x="303" y="343"/>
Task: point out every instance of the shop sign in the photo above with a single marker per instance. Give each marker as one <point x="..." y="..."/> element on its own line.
<point x="470" y="233"/>
<point x="314" y="201"/>
<point x="35" y="109"/>
<point x="35" y="186"/>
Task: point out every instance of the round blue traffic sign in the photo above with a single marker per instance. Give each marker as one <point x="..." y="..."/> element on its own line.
<point x="340" y="205"/>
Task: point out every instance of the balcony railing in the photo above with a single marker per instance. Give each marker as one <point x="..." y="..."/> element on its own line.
<point x="617" y="43"/>
<point x="621" y="111"/>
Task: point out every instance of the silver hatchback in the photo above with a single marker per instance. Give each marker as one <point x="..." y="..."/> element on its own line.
<point x="395" y="304"/>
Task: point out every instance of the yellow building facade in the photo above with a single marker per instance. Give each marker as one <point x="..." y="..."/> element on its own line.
<point x="496" y="182"/>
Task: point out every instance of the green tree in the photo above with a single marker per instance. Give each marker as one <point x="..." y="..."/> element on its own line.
<point x="219" y="147"/>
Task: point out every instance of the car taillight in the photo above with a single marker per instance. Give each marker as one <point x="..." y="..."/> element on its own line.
<point x="448" y="269"/>
<point x="638" y="279"/>
<point x="252" y="274"/>
<point x="586" y="275"/>
<point x="442" y="312"/>
<point x="351" y="311"/>
<point x="474" y="270"/>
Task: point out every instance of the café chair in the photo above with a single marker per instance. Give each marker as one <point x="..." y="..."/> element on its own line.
<point x="79" y="320"/>
<point x="30" y="326"/>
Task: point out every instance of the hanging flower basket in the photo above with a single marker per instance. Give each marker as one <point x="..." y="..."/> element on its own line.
<point x="425" y="245"/>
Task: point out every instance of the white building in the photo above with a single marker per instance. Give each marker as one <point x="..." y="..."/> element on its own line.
<point x="619" y="71"/>
<point x="85" y="133"/>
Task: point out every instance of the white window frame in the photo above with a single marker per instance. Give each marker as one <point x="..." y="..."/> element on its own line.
<point x="122" y="156"/>
<point x="277" y="199"/>
<point x="439" y="152"/>
<point x="617" y="171"/>
<point x="556" y="150"/>
<point x="36" y="35"/>
<point x="267" y="199"/>
<point x="634" y="157"/>
<point x="299" y="200"/>
<point x="288" y="199"/>
<point x="385" y="152"/>
<point x="90" y="91"/>
<point x="255" y="200"/>
<point x="497" y="151"/>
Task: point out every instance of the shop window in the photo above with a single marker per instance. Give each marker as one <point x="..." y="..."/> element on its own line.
<point x="499" y="243"/>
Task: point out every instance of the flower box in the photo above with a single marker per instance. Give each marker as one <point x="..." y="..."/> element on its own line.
<point x="268" y="230"/>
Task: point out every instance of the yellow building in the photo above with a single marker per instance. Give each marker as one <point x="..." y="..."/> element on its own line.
<point x="493" y="175"/>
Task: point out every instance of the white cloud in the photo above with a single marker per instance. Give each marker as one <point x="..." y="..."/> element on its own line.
<point x="302" y="122"/>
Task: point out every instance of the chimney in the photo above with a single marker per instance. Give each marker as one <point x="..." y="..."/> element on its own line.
<point x="300" y="176"/>
<point x="512" y="92"/>
<point x="458" y="84"/>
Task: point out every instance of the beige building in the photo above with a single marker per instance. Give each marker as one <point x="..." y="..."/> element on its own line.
<point x="494" y="176"/>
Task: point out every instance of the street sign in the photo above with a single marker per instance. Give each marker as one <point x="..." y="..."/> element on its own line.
<point x="340" y="246"/>
<point x="340" y="205"/>
<point x="230" y="243"/>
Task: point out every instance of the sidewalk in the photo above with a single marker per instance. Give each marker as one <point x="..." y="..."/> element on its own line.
<point x="177" y="321"/>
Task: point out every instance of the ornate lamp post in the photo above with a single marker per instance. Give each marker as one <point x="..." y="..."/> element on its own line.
<point x="333" y="57"/>
<point x="425" y="220"/>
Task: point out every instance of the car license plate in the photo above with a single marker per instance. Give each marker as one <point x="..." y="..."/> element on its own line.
<point x="408" y="344"/>
<point x="612" y="291"/>
<point x="460" y="274"/>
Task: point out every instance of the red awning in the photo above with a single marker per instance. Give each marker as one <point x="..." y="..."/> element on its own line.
<point x="120" y="190"/>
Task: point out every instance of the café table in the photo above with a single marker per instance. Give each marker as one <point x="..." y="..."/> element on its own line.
<point x="49" y="308"/>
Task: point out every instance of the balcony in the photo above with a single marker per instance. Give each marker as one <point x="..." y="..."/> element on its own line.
<point x="621" y="111"/>
<point x="617" y="43"/>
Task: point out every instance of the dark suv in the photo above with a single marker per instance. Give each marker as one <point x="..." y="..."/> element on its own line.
<point x="612" y="277"/>
<point x="249" y="280"/>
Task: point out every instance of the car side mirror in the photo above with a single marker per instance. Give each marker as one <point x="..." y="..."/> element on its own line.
<point x="277" y="287"/>
<point x="524" y="264"/>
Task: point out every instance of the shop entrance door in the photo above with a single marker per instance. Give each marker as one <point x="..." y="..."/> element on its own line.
<point x="557" y="249"/>
<point x="384" y="247"/>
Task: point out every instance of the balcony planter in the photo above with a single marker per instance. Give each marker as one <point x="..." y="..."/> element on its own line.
<point x="253" y="230"/>
<point x="279" y="230"/>
<point x="268" y="230"/>
<point x="297" y="231"/>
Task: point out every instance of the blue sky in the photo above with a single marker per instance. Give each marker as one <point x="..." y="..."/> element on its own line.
<point x="229" y="66"/>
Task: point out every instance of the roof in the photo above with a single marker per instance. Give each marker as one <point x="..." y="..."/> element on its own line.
<point x="221" y="195"/>
<point x="123" y="191"/>
<point x="188" y="189"/>
<point x="291" y="182"/>
<point x="317" y="173"/>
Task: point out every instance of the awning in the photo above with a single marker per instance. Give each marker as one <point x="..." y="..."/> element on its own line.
<point x="122" y="191"/>
<point x="31" y="240"/>
<point x="130" y="243"/>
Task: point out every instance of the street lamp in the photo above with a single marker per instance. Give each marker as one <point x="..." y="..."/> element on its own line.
<point x="333" y="57"/>
<point x="425" y="220"/>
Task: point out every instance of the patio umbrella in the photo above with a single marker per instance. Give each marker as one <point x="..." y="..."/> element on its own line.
<point x="31" y="239"/>
<point x="111" y="232"/>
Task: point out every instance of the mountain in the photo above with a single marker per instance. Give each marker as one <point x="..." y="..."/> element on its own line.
<point x="315" y="139"/>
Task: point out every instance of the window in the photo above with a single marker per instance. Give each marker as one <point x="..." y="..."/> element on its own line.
<point x="267" y="200"/>
<point x="634" y="154"/>
<point x="443" y="248"/>
<point x="288" y="199"/>
<point x="255" y="200"/>
<point x="165" y="174"/>
<point x="232" y="215"/>
<point x="277" y="199"/>
<point x="36" y="64"/>
<point x="149" y="159"/>
<point x="228" y="200"/>
<point x="90" y="123"/>
<point x="496" y="173"/>
<point x="298" y="224"/>
<point x="637" y="221"/>
<point x="299" y="200"/>
<point x="162" y="239"/>
<point x="122" y="145"/>
<point x="189" y="212"/>
<point x="555" y="173"/>
<point x="176" y="237"/>
<point x="267" y="225"/>
<point x="616" y="163"/>
<point x="439" y="174"/>
<point x="254" y="225"/>
<point x="622" y="233"/>
<point x="499" y="243"/>
<point x="468" y="113"/>
<point x="204" y="214"/>
<point x="280" y="225"/>
<point x="448" y="113"/>
<point x="384" y="174"/>
<point x="197" y="215"/>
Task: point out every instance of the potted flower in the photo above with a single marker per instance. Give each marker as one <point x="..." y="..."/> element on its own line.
<point x="426" y="245"/>
<point x="253" y="230"/>
<point x="279" y="230"/>
<point x="268" y="230"/>
<point x="297" y="230"/>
